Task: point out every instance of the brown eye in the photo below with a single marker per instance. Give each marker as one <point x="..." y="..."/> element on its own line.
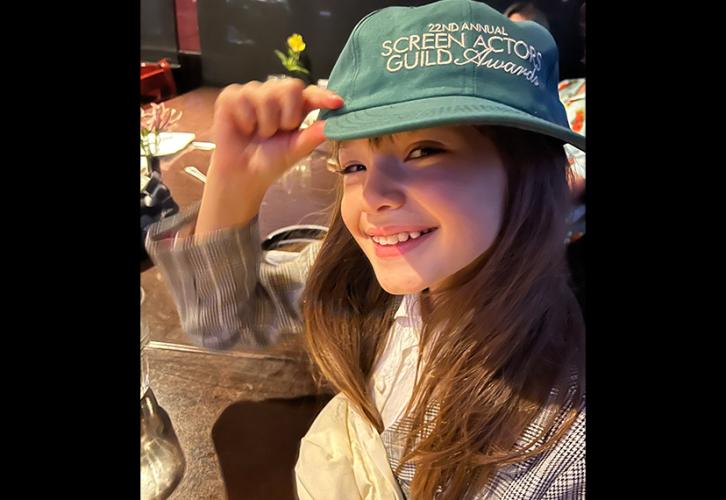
<point x="334" y="166"/>
<point x="350" y="169"/>
<point x="422" y="152"/>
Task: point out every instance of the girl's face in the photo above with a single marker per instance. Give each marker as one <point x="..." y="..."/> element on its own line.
<point x="438" y="192"/>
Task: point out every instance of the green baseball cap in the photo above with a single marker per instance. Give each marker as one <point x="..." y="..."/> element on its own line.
<point x="448" y="62"/>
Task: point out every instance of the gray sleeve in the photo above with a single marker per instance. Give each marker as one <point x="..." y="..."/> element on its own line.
<point x="226" y="289"/>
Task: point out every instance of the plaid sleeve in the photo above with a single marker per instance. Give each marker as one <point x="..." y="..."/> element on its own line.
<point x="225" y="289"/>
<point x="556" y="474"/>
<point x="570" y="485"/>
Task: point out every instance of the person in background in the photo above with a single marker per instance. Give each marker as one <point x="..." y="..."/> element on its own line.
<point x="572" y="95"/>
<point x="526" y="11"/>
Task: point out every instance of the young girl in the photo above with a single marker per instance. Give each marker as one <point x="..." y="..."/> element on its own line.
<point x="438" y="305"/>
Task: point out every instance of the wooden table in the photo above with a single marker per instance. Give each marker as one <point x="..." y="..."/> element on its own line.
<point x="202" y="390"/>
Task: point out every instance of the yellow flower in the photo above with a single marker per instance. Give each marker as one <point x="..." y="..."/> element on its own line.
<point x="296" y="43"/>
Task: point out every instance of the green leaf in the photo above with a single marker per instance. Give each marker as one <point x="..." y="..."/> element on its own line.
<point x="299" y="68"/>
<point x="281" y="56"/>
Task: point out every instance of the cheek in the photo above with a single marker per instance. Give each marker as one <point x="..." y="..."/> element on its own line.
<point x="349" y="214"/>
<point x="471" y="208"/>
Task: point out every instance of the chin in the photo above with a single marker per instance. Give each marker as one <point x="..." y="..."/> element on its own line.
<point x="400" y="286"/>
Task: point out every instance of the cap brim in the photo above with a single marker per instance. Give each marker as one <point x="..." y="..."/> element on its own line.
<point x="437" y="111"/>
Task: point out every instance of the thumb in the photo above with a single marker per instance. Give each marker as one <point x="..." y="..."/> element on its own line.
<point x="302" y="142"/>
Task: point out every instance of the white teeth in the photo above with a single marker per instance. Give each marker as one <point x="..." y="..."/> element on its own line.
<point x="398" y="238"/>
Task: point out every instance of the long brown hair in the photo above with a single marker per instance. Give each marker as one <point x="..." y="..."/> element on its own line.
<point x="502" y="345"/>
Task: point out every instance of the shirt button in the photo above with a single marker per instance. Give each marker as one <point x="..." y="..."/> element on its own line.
<point x="380" y="385"/>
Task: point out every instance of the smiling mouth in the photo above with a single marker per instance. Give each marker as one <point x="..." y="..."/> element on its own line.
<point x="400" y="238"/>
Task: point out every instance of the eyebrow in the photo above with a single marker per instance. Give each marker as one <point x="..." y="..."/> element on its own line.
<point x="376" y="141"/>
<point x="372" y="141"/>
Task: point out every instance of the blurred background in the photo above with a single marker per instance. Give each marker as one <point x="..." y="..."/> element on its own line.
<point x="217" y="42"/>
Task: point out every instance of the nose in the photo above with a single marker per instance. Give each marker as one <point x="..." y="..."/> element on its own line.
<point x="382" y="188"/>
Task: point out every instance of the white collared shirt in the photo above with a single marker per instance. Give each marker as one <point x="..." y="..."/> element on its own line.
<point x="394" y="375"/>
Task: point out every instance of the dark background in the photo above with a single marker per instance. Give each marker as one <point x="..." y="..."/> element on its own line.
<point x="158" y="30"/>
<point x="236" y="39"/>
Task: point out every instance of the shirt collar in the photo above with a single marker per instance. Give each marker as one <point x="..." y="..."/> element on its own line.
<point x="409" y="312"/>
